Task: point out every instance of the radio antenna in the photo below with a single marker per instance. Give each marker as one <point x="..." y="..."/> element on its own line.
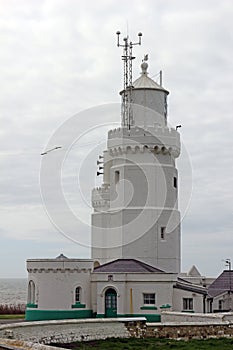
<point x="127" y="57"/>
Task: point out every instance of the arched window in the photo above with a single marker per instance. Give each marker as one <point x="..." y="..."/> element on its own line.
<point x="96" y="264"/>
<point x="117" y="176"/>
<point x="78" y="295"/>
<point x="31" y="292"/>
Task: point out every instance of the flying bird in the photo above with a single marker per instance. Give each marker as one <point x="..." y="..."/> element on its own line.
<point x="50" y="150"/>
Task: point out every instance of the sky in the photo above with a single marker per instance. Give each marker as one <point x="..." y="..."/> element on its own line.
<point x="58" y="61"/>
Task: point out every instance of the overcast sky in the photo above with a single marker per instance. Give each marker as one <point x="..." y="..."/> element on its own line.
<point x="58" y="58"/>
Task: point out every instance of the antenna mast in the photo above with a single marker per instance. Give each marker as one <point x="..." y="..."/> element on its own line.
<point x="127" y="117"/>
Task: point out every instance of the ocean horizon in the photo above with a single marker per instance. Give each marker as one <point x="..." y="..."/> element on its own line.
<point x="13" y="291"/>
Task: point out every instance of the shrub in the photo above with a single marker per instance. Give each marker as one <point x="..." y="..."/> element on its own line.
<point x="12" y="309"/>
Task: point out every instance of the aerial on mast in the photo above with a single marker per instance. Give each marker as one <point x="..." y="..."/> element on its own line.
<point x="127" y="57"/>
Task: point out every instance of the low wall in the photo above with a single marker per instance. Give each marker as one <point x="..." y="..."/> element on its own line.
<point x="11" y="344"/>
<point x="66" y="331"/>
<point x="180" y="317"/>
<point x="189" y="330"/>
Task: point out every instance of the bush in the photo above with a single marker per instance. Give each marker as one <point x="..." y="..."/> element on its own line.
<point x="12" y="309"/>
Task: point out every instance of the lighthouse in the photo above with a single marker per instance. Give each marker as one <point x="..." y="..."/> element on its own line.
<point x="135" y="265"/>
<point x="135" y="210"/>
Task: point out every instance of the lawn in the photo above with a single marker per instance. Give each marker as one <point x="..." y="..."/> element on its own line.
<point x="11" y="316"/>
<point x="152" y="344"/>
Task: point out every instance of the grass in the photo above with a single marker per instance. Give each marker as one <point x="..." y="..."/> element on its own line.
<point x="10" y="317"/>
<point x="151" y="344"/>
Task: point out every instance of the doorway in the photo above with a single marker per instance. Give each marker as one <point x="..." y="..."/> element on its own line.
<point x="110" y="303"/>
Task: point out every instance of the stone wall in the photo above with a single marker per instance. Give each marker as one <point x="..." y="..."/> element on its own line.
<point x="189" y="331"/>
<point x="181" y="317"/>
<point x="46" y="332"/>
<point x="13" y="344"/>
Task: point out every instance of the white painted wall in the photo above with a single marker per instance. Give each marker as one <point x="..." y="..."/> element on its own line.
<point x="128" y="224"/>
<point x="161" y="284"/>
<point x="138" y="195"/>
<point x="178" y="296"/>
<point x="226" y="300"/>
<point x="56" y="280"/>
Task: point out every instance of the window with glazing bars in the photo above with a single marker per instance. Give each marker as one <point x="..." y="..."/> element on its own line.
<point x="187" y="303"/>
<point x="77" y="294"/>
<point x="149" y="298"/>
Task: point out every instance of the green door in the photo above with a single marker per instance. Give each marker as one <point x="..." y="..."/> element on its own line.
<point x="110" y="303"/>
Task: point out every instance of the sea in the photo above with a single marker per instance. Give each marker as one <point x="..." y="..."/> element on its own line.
<point x="13" y="291"/>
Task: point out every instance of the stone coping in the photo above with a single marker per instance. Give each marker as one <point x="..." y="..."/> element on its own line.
<point x="20" y="344"/>
<point x="190" y="323"/>
<point x="71" y="321"/>
<point x="196" y="314"/>
<point x="182" y="318"/>
<point x="60" y="260"/>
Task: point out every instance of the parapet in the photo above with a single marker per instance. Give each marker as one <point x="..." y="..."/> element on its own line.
<point x="155" y="139"/>
<point x="59" y="265"/>
<point x="101" y="197"/>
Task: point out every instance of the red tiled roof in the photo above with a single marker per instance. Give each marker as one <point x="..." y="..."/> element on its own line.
<point x="223" y="283"/>
<point x="127" y="265"/>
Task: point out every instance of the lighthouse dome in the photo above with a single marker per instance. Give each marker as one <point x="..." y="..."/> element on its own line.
<point x="149" y="100"/>
<point x="144" y="82"/>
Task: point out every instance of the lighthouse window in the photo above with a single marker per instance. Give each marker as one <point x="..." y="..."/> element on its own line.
<point x="77" y="295"/>
<point x="175" y="182"/>
<point x="163" y="232"/>
<point x="117" y="176"/>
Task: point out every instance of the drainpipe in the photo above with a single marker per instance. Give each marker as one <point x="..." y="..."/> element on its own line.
<point x="131" y="300"/>
<point x="204" y="303"/>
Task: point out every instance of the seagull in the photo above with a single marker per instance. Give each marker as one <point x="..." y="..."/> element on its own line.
<point x="50" y="150"/>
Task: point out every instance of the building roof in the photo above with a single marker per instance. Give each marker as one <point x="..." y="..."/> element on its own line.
<point x="191" y="287"/>
<point x="127" y="265"/>
<point x="61" y="257"/>
<point x="193" y="272"/>
<point x="223" y="283"/>
<point x="144" y="82"/>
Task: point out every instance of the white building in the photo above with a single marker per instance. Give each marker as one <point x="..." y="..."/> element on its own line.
<point x="220" y="293"/>
<point x="72" y="288"/>
<point x="135" y="210"/>
<point x="135" y="262"/>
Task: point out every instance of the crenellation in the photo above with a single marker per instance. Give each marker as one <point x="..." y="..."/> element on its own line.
<point x="131" y="149"/>
<point x="155" y="130"/>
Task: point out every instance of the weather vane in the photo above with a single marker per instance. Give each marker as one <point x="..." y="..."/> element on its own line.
<point x="127" y="58"/>
<point x="228" y="263"/>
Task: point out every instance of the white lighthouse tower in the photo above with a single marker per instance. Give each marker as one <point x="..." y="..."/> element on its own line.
<point x="135" y="265"/>
<point x="136" y="209"/>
